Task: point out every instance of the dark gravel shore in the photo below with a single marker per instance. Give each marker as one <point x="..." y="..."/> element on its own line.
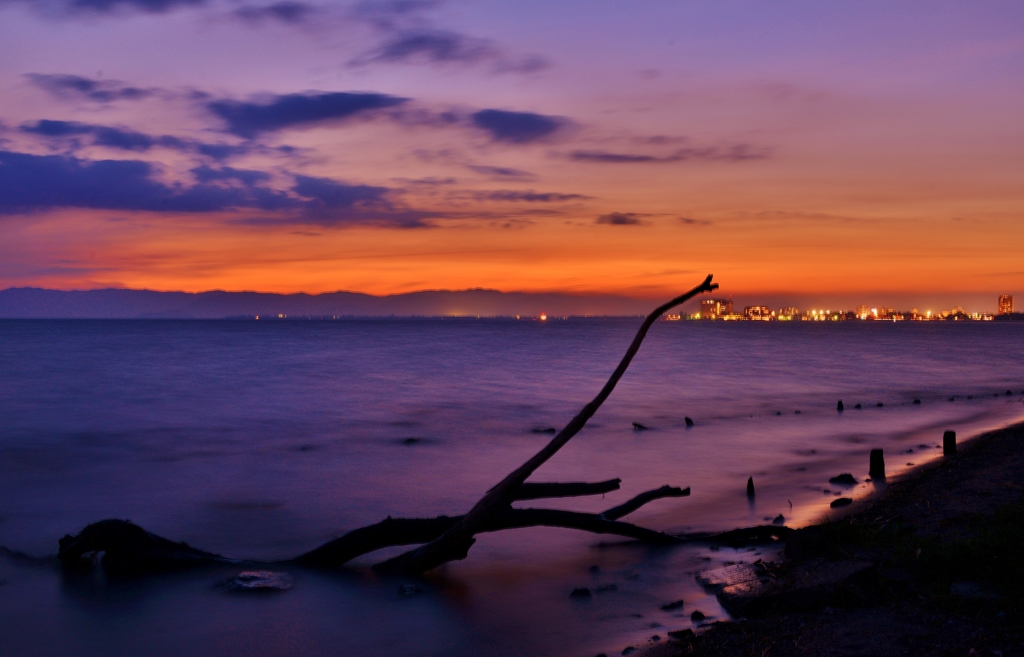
<point x="946" y="544"/>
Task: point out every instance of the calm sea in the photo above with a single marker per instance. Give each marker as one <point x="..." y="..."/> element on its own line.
<point x="265" y="439"/>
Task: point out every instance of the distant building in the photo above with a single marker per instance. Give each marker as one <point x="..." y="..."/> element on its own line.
<point x="863" y="312"/>
<point x="788" y="313"/>
<point x="763" y="313"/>
<point x="1005" y="304"/>
<point x="715" y="308"/>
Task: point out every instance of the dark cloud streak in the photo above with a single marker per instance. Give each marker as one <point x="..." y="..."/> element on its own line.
<point x="100" y="91"/>
<point x="516" y="127"/>
<point x="284" y="12"/>
<point x="621" y="219"/>
<point x="249" y="119"/>
<point x="34" y="183"/>
<point x="734" y="153"/>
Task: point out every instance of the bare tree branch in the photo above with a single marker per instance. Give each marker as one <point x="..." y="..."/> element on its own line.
<point x="455" y="543"/>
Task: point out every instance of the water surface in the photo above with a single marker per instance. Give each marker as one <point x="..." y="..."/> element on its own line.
<point x="265" y="439"/>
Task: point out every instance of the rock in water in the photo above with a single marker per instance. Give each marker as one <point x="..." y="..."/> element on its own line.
<point x="779" y="520"/>
<point x="672" y="606"/>
<point x="581" y="592"/>
<point x="750" y="486"/>
<point x="639" y="427"/>
<point x="841" y="501"/>
<point x="845" y="479"/>
<point x="839" y="406"/>
<point x="689" y="422"/>
<point x="697" y="616"/>
<point x="258" y="580"/>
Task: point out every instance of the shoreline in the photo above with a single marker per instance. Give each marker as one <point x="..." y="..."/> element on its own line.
<point x="917" y="569"/>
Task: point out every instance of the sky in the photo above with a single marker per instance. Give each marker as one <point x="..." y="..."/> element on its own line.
<point x="826" y="154"/>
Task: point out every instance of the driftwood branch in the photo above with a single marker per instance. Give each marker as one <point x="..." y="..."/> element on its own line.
<point x="632" y="505"/>
<point x="543" y="491"/>
<point x="441" y="539"/>
<point x="455" y="543"/>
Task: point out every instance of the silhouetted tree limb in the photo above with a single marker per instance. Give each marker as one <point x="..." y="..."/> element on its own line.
<point x="643" y="498"/>
<point x="455" y="543"/>
<point x="441" y="539"/>
<point x="540" y="491"/>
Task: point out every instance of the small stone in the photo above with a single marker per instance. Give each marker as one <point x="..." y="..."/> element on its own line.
<point x="411" y="441"/>
<point x="697" y="616"/>
<point x="857" y="407"/>
<point x="841" y="501"/>
<point x="639" y="427"/>
<point x="628" y="650"/>
<point x="655" y="638"/>
<point x="779" y="520"/>
<point x="796" y="412"/>
<point x="689" y="422"/>
<point x="580" y="592"/>
<point x="672" y="606"/>
<point x="681" y="635"/>
<point x="879" y="405"/>
<point x="917" y="402"/>
<point x="259" y="581"/>
<point x="844" y="479"/>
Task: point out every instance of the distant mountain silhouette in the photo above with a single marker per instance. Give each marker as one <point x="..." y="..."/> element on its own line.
<point x="28" y="302"/>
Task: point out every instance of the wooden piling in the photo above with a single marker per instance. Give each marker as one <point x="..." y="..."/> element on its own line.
<point x="877" y="464"/>
<point x="949" y="443"/>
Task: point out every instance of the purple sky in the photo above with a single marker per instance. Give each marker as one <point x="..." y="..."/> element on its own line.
<point x="816" y="150"/>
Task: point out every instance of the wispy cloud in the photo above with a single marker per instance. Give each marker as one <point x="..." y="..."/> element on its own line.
<point x="733" y="153"/>
<point x="71" y="134"/>
<point x="515" y="195"/>
<point x="119" y="138"/>
<point x="428" y="46"/>
<point x="249" y="119"/>
<point x="516" y="127"/>
<point x="621" y="219"/>
<point x="408" y="37"/>
<point x="100" y="91"/>
<point x="501" y="173"/>
<point x="34" y="183"/>
<point x="286" y="11"/>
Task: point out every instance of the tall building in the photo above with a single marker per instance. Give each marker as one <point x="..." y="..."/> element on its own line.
<point x="1005" y="304"/>
<point x="715" y="308"/>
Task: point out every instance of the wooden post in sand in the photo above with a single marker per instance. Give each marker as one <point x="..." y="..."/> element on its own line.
<point x="949" y="443"/>
<point x="877" y="464"/>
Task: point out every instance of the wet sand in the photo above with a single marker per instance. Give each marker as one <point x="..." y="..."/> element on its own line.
<point x="919" y="601"/>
